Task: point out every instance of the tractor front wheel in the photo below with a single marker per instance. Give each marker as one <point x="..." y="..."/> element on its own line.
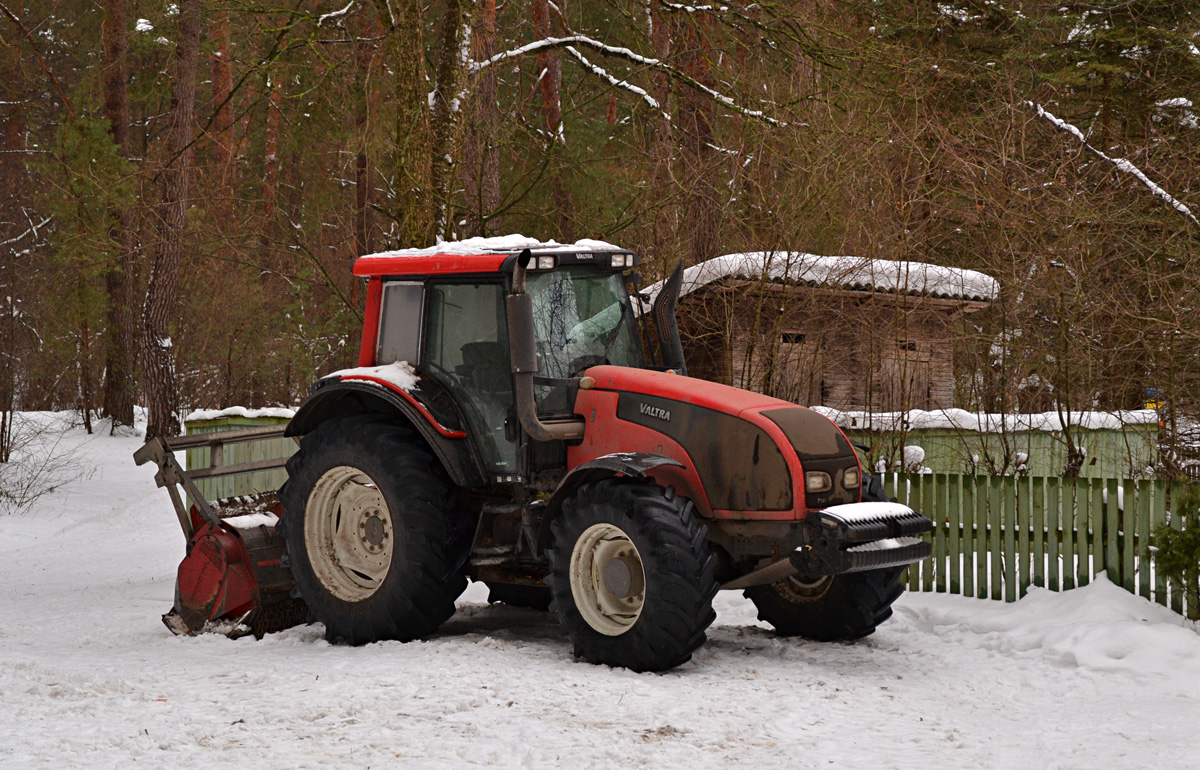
<point x="370" y="529"/>
<point x="631" y="575"/>
<point x="830" y="608"/>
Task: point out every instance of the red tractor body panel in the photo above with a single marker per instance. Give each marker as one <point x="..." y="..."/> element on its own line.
<point x="370" y="333"/>
<point x="611" y="429"/>
<point x="376" y="265"/>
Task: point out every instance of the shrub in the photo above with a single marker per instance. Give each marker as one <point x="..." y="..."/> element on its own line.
<point x="1176" y="552"/>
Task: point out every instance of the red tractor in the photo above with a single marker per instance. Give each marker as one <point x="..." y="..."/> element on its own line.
<point x="507" y="425"/>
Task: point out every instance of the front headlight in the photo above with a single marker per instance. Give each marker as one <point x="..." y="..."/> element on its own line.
<point x="817" y="481"/>
<point x="850" y="478"/>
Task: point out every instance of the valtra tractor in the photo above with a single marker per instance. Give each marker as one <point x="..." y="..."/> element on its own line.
<point x="519" y="417"/>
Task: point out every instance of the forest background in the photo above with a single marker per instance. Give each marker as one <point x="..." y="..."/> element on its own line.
<point x="185" y="185"/>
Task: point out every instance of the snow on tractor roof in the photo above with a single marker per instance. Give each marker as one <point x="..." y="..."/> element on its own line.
<point x="469" y="255"/>
<point x="855" y="273"/>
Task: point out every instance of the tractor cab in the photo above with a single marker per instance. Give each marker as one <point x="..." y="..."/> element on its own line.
<point x="445" y="316"/>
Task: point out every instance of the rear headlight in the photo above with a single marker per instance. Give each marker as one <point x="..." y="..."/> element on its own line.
<point x="850" y="478"/>
<point x="817" y="481"/>
<point x="545" y="263"/>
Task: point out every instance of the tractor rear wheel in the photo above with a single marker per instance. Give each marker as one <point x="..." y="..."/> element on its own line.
<point x="371" y="535"/>
<point x="830" y="608"/>
<point x="631" y="575"/>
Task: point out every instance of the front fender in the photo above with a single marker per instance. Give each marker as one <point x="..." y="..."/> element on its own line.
<point x="635" y="464"/>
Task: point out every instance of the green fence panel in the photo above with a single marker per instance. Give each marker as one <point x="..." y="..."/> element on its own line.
<point x="926" y="498"/>
<point x="1037" y="503"/>
<point x="968" y="542"/>
<point x="1158" y="516"/>
<point x="1023" y="554"/>
<point x="1112" y="550"/>
<point x="983" y="494"/>
<point x="1128" y="535"/>
<point x="1054" y="535"/>
<point x="954" y="533"/>
<point x="1068" y="511"/>
<point x="1177" y="593"/>
<point x="994" y="536"/>
<point x="1140" y="552"/>
<point x="221" y="487"/>
<point x="1084" y="557"/>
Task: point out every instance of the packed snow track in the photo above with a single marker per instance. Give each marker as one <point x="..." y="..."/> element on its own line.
<point x="91" y="678"/>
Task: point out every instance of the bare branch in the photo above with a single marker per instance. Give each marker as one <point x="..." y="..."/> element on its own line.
<point x="623" y="53"/>
<point x="1121" y="163"/>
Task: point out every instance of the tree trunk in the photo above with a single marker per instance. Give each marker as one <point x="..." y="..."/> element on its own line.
<point x="222" y="125"/>
<point x="446" y="110"/>
<point x="121" y="354"/>
<point x="268" y="260"/>
<point x="662" y="148"/>
<point x="480" y="175"/>
<point x="271" y="149"/>
<point x="702" y="215"/>
<point x="414" y="210"/>
<point x="362" y="166"/>
<point x="550" y="80"/>
<point x="162" y="393"/>
<point x="12" y="192"/>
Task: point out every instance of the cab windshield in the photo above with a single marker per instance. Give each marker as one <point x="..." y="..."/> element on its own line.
<point x="581" y="318"/>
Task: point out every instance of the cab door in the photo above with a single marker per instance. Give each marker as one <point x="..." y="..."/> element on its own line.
<point x="466" y="351"/>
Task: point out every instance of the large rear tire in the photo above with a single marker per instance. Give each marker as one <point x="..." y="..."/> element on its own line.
<point x="631" y="575"/>
<point x="829" y="609"/>
<point x="371" y="531"/>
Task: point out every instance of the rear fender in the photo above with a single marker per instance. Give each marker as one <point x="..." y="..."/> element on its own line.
<point x="332" y="399"/>
<point x="634" y="464"/>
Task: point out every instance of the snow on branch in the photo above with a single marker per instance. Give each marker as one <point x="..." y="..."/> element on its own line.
<point x="624" y="53"/>
<point x="1122" y="164"/>
<point x="336" y="14"/>
<point x="32" y="229"/>
<point x="625" y="84"/>
<point x="695" y="8"/>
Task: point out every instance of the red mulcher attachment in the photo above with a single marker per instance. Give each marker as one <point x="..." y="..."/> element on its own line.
<point x="234" y="579"/>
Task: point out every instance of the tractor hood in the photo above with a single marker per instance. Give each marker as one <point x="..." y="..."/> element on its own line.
<point x="702" y="393"/>
<point x="723" y="429"/>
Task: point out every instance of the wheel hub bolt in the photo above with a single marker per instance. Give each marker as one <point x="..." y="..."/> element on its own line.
<point x="373" y="530"/>
<point x="622" y="577"/>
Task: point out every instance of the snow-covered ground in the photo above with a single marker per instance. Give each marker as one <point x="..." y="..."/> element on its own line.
<point x="89" y="676"/>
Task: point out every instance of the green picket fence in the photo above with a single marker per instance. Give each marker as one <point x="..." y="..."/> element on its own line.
<point x="994" y="536"/>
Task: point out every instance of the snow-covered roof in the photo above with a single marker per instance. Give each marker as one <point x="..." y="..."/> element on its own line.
<point x="499" y="244"/>
<point x="845" y="272"/>
<point x="959" y="419"/>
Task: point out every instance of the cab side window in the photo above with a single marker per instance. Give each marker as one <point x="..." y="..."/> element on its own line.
<point x="467" y="352"/>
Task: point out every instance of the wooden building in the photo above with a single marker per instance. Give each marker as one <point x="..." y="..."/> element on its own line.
<point x="845" y="332"/>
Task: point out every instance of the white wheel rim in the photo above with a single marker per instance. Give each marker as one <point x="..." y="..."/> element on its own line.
<point x="348" y="533"/>
<point x="608" y="581"/>
<point x="799" y="589"/>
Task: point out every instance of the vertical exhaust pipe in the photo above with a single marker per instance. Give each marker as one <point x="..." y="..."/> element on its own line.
<point x="522" y="348"/>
